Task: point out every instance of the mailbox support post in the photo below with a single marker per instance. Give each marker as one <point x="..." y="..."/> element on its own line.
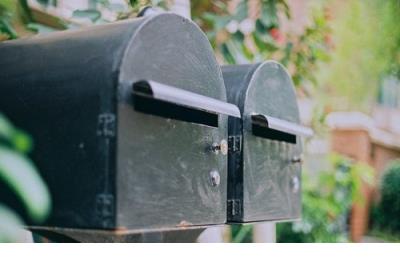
<point x="264" y="233"/>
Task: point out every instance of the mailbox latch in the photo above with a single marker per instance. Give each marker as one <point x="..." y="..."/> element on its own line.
<point x="234" y="143"/>
<point x="105" y="208"/>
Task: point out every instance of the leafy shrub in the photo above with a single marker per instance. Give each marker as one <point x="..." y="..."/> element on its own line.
<point x="387" y="213"/>
<point x="327" y="200"/>
<point x="19" y="174"/>
<point x="242" y="233"/>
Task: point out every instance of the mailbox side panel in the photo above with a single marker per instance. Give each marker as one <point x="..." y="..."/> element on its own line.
<point x="61" y="89"/>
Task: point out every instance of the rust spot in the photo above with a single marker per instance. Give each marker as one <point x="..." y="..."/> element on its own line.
<point x="184" y="223"/>
<point x="121" y="230"/>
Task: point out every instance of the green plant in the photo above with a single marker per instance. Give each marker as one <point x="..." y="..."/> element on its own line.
<point x="9" y="10"/>
<point x="387" y="212"/>
<point x="17" y="18"/>
<point x="239" y="37"/>
<point x="20" y="175"/>
<point x="327" y="200"/>
<point x="242" y="233"/>
<point x="367" y="47"/>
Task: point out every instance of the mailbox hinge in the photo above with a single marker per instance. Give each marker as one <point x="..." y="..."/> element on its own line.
<point x="234" y="143"/>
<point x="106" y="125"/>
<point x="234" y="208"/>
<point x="105" y="208"/>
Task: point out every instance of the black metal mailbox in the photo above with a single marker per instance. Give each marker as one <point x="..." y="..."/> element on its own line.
<point x="264" y="145"/>
<point x="129" y="121"/>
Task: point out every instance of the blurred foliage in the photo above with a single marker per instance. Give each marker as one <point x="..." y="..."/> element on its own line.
<point x="19" y="174"/>
<point x="327" y="201"/>
<point x="12" y="12"/>
<point x="17" y="18"/>
<point x="6" y="12"/>
<point x="122" y="11"/>
<point x="386" y="213"/>
<point x="243" y="38"/>
<point x="242" y="233"/>
<point x="367" y="48"/>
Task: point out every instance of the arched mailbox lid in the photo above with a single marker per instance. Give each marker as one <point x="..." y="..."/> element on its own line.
<point x="266" y="184"/>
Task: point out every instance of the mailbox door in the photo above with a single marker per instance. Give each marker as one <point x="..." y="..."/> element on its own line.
<point x="271" y="172"/>
<point x="166" y="169"/>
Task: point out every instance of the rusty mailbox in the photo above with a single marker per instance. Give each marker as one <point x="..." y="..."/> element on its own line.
<point x="264" y="145"/>
<point x="129" y="121"/>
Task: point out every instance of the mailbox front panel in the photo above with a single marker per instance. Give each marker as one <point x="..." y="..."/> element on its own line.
<point x="165" y="162"/>
<point x="265" y="144"/>
<point x="271" y="178"/>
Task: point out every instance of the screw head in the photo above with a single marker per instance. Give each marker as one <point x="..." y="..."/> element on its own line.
<point x="224" y="147"/>
<point x="215" y="178"/>
<point x="295" y="184"/>
<point x="220" y="147"/>
<point x="297" y="159"/>
<point x="215" y="148"/>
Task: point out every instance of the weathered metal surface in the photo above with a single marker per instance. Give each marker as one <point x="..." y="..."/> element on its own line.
<point x="108" y="165"/>
<point x="263" y="179"/>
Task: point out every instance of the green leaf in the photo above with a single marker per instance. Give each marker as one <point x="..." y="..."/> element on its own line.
<point x="242" y="233"/>
<point x="7" y="5"/>
<point x="264" y="43"/>
<point x="241" y="11"/>
<point x="47" y="2"/>
<point x="91" y="14"/>
<point x="117" y="7"/>
<point x="261" y="28"/>
<point x="40" y="28"/>
<point x="20" y="174"/>
<point x="238" y="36"/>
<point x="25" y="11"/>
<point x="285" y="8"/>
<point x="10" y="226"/>
<point x="133" y="2"/>
<point x="235" y="51"/>
<point x="6" y="128"/>
<point x="217" y="22"/>
<point x="16" y="138"/>
<point x="227" y="54"/>
<point x="6" y="27"/>
<point x="269" y="15"/>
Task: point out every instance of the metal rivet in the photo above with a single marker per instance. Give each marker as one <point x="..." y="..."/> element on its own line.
<point x="222" y="146"/>
<point x="297" y="159"/>
<point x="215" y="148"/>
<point x="295" y="184"/>
<point x="215" y="178"/>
